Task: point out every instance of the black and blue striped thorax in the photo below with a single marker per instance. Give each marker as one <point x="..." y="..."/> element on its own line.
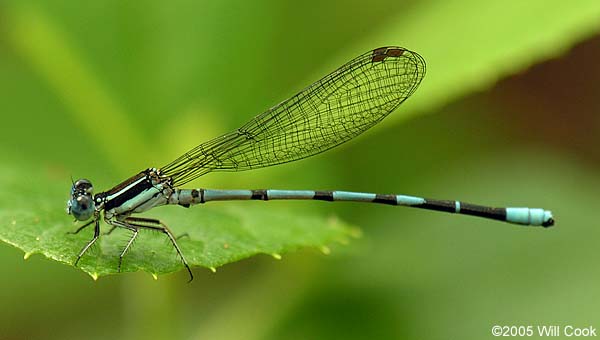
<point x="138" y="193"/>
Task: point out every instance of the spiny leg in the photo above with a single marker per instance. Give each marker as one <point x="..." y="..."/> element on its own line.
<point x="93" y="240"/>
<point x="135" y="231"/>
<point x="154" y="224"/>
<point x="80" y="228"/>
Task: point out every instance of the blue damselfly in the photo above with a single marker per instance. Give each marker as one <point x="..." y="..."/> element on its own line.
<point x="327" y="113"/>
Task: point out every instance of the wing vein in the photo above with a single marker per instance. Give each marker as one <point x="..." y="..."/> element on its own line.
<point x="327" y="113"/>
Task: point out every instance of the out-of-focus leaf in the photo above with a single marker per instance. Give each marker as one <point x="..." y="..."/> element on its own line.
<point x="470" y="44"/>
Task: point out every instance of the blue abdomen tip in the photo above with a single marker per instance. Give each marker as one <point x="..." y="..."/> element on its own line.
<point x="528" y="216"/>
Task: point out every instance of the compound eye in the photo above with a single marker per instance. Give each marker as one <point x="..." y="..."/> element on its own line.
<point x="81" y="207"/>
<point x="82" y="186"/>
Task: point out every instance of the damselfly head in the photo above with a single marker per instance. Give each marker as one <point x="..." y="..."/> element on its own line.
<point x="81" y="204"/>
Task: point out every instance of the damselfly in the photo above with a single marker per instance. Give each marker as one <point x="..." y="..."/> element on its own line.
<point x="327" y="113"/>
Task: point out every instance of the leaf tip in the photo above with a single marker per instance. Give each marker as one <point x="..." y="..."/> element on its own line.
<point x="213" y="269"/>
<point x="276" y="256"/>
<point x="27" y="255"/>
<point x="155" y="276"/>
<point x="94" y="276"/>
<point x="325" y="250"/>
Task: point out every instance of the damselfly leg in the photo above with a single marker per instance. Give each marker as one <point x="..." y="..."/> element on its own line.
<point x="157" y="225"/>
<point x="133" y="224"/>
<point x="133" y="229"/>
<point x="96" y="222"/>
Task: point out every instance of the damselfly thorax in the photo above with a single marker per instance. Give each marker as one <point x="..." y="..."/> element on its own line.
<point x="137" y="194"/>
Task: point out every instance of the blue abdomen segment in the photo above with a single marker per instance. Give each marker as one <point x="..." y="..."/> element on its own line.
<point x="529" y="216"/>
<point x="188" y="197"/>
<point x="523" y="216"/>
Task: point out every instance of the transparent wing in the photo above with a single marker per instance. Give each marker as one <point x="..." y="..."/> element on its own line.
<point x="327" y="113"/>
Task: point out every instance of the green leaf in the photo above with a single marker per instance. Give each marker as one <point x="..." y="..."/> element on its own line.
<point x="33" y="219"/>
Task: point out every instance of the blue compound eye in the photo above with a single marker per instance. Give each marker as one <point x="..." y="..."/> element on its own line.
<point x="81" y="205"/>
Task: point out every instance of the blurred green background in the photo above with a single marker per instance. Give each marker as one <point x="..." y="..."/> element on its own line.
<point x="507" y="115"/>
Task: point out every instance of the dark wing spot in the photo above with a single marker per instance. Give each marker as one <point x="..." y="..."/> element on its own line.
<point x="381" y="53"/>
<point x="378" y="58"/>
<point x="395" y="52"/>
